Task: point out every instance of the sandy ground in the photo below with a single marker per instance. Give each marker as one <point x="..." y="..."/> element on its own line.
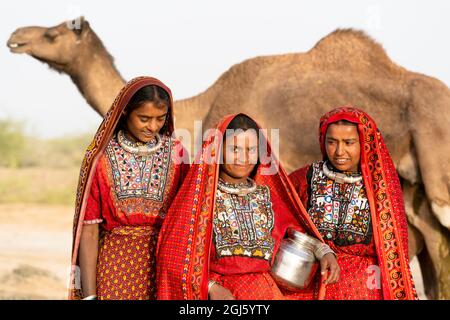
<point x="35" y="245"/>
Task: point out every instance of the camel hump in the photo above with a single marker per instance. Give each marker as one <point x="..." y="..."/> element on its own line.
<point x="354" y="47"/>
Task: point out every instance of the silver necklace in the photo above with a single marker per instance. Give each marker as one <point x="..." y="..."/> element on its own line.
<point x="340" y="177"/>
<point x="240" y="189"/>
<point x="140" y="150"/>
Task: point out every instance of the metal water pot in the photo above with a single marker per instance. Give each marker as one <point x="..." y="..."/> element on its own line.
<point x="295" y="265"/>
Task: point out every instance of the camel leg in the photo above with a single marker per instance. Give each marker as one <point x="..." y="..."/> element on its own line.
<point x="415" y="242"/>
<point x="429" y="118"/>
<point x="428" y="275"/>
<point x="435" y="258"/>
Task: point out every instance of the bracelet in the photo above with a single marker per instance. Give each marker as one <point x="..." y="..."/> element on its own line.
<point x="92" y="297"/>
<point x="210" y="284"/>
<point x="321" y="250"/>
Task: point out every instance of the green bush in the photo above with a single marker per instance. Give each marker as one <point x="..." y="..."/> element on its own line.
<point x="19" y="150"/>
<point x="34" y="170"/>
<point x="62" y="152"/>
<point x="12" y="143"/>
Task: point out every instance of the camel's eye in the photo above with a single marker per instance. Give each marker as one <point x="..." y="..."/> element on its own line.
<point x="51" y="35"/>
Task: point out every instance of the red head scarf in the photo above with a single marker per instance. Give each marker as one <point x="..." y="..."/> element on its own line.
<point x="93" y="153"/>
<point x="385" y="198"/>
<point x="186" y="235"/>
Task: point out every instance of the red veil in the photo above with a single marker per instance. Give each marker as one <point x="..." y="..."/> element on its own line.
<point x="186" y="235"/>
<point x="93" y="154"/>
<point x="384" y="193"/>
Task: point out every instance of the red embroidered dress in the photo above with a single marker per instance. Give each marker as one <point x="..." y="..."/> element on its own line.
<point x="245" y="231"/>
<point x="243" y="225"/>
<point x="364" y="222"/>
<point x="128" y="196"/>
<point x="211" y="234"/>
<point x="340" y="211"/>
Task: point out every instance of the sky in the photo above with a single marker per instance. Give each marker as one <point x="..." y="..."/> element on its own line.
<point x="189" y="44"/>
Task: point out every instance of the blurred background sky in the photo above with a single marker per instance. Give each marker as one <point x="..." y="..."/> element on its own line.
<point x="189" y="44"/>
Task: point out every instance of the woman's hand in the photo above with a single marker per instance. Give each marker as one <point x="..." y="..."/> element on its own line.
<point x="218" y="292"/>
<point x="329" y="264"/>
<point x="88" y="255"/>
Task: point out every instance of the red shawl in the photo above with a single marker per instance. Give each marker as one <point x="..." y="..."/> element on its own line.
<point x="384" y="193"/>
<point x="93" y="154"/>
<point x="185" y="238"/>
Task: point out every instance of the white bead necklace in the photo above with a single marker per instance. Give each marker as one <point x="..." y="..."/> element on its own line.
<point x="340" y="177"/>
<point x="140" y="150"/>
<point x="240" y="189"/>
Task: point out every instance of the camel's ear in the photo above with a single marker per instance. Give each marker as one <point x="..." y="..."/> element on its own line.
<point x="79" y="25"/>
<point x="85" y="27"/>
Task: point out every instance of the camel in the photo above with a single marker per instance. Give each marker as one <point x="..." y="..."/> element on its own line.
<point x="291" y="92"/>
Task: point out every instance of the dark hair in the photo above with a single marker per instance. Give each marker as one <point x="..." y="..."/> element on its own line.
<point x="243" y="122"/>
<point x="151" y="93"/>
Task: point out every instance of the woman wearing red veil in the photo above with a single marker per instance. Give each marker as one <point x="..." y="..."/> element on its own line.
<point x="354" y="198"/>
<point x="224" y="228"/>
<point x="129" y="177"/>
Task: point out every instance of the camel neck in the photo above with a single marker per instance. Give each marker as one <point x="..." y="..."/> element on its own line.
<point x="97" y="79"/>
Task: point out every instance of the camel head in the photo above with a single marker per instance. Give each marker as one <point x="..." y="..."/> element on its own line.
<point x="56" y="46"/>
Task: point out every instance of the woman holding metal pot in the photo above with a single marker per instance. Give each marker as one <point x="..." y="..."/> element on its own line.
<point x="222" y="233"/>
<point x="354" y="198"/>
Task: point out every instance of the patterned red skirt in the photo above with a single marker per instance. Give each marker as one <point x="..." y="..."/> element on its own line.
<point x="360" y="279"/>
<point x="259" y="286"/>
<point x="126" y="267"/>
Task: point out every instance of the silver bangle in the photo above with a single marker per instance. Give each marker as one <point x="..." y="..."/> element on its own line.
<point x="321" y="250"/>
<point x="92" y="297"/>
<point x="210" y="284"/>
